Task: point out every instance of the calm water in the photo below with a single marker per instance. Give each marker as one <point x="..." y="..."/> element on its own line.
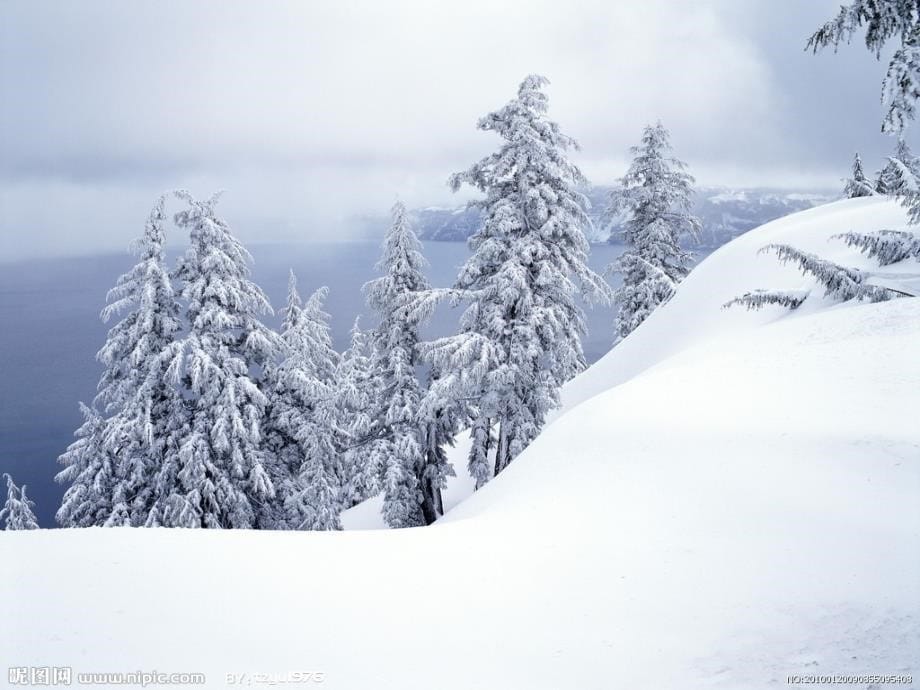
<point x="50" y="332"/>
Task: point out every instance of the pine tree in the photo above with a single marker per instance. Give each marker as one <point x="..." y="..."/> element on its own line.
<point x="357" y="391"/>
<point x="17" y="511"/>
<point x="411" y="487"/>
<point x="884" y="20"/>
<point x="302" y="425"/>
<point x="657" y="194"/>
<point x="91" y="471"/>
<point x="899" y="175"/>
<point x="520" y="337"/>
<point x="858" y="185"/>
<point x="137" y="388"/>
<point x="219" y="478"/>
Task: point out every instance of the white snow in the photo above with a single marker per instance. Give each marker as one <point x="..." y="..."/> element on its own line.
<point x="728" y="498"/>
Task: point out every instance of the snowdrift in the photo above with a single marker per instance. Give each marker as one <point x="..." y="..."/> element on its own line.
<point x="729" y="499"/>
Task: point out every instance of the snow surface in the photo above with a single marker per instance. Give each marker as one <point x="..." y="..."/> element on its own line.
<point x="728" y="498"/>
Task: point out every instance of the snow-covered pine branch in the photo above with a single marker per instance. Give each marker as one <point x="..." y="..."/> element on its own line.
<point x="858" y="185"/>
<point x="656" y="193"/>
<point x="758" y="299"/>
<point x="884" y="20"/>
<point x="886" y="246"/>
<point x="219" y="476"/>
<point x="529" y="261"/>
<point x="840" y="283"/>
<point x="17" y="510"/>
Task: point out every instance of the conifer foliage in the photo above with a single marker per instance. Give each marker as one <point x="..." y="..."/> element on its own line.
<point x="898" y="178"/>
<point x="411" y="487"/>
<point x="657" y="193"/>
<point x="357" y="392"/>
<point x="17" y="510"/>
<point x="520" y="337"/>
<point x="303" y="441"/>
<point x="884" y="20"/>
<point x="220" y="476"/>
<point x="858" y="185"/>
<point x="840" y="283"/>
<point x="126" y="436"/>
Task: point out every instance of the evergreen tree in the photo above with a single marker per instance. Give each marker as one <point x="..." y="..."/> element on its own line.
<point x="112" y="464"/>
<point x="302" y="425"/>
<point x="858" y="185"/>
<point x="884" y="20"/>
<point x="411" y="487"/>
<point x="136" y="388"/>
<point x="900" y="173"/>
<point x="657" y="193"/>
<point x="357" y="391"/>
<point x="91" y="472"/>
<point x="17" y="511"/>
<point x="219" y="476"/>
<point x="520" y="337"/>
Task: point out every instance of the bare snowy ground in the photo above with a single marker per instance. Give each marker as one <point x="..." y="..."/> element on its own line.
<point x="726" y="509"/>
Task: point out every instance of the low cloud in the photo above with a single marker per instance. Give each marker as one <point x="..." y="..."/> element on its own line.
<point x="313" y="114"/>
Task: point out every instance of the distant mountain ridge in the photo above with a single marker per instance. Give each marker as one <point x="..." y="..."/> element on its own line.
<point x="725" y="213"/>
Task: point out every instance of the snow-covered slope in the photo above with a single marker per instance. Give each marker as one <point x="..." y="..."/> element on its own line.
<point x="734" y="500"/>
<point x="695" y="315"/>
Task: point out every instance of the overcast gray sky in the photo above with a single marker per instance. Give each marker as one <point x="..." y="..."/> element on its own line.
<point x="311" y="113"/>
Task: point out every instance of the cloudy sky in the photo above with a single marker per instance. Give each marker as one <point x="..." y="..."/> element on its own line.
<point x="315" y="112"/>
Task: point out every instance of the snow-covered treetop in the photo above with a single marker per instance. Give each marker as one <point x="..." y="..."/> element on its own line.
<point x="294" y="305"/>
<point x="223" y="303"/>
<point x="884" y="20"/>
<point x="858" y="185"/>
<point x="531" y="191"/>
<point x="402" y="265"/>
<point x="657" y="186"/>
<point x="152" y="321"/>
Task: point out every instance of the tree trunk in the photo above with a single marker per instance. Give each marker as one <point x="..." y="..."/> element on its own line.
<point x="501" y="452"/>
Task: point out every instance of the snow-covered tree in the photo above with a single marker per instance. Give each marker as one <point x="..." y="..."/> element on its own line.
<point x="900" y="173"/>
<point x="137" y="388"/>
<point x="219" y="475"/>
<point x="520" y="337"/>
<point x="840" y="283"/>
<point x="357" y="393"/>
<point x="111" y="467"/>
<point x="302" y="429"/>
<point x="884" y="20"/>
<point x="411" y="487"/>
<point x="17" y="511"/>
<point x="657" y="194"/>
<point x="90" y="470"/>
<point x="858" y="185"/>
